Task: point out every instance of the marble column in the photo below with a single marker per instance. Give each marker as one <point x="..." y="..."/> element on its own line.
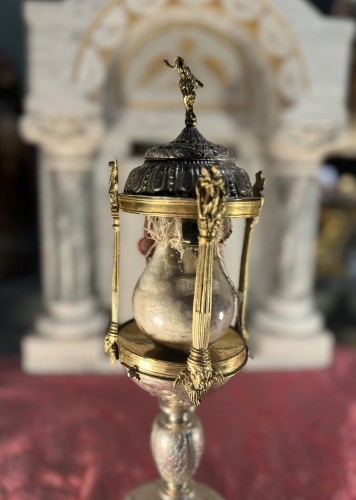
<point x="287" y="331"/>
<point x="67" y="337"/>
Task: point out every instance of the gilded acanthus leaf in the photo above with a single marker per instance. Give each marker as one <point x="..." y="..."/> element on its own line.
<point x="197" y="379"/>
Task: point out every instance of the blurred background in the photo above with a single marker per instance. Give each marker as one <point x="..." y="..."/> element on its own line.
<point x="19" y="233"/>
<point x="82" y="81"/>
<point x="21" y="53"/>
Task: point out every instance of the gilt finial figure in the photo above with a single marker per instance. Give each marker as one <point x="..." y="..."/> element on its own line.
<point x="188" y="84"/>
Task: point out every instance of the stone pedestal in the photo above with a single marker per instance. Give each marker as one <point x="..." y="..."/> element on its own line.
<point x="68" y="334"/>
<point x="44" y="355"/>
<point x="287" y="331"/>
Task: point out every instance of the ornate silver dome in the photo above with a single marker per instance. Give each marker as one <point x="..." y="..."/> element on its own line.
<point x="172" y="169"/>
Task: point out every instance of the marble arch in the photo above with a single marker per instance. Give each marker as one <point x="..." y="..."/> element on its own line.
<point x="76" y="48"/>
<point x="119" y="21"/>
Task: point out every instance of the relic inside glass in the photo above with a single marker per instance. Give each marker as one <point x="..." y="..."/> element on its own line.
<point x="164" y="295"/>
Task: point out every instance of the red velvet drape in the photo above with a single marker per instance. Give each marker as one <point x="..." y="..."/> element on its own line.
<point x="269" y="436"/>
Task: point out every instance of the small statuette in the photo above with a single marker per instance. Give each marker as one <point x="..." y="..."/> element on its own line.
<point x="114" y="186"/>
<point x="259" y="185"/>
<point x="188" y="84"/>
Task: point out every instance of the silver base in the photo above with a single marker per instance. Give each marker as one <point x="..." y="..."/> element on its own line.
<point x="155" y="491"/>
<point x="177" y="444"/>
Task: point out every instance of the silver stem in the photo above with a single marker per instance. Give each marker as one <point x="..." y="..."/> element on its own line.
<point x="177" y="445"/>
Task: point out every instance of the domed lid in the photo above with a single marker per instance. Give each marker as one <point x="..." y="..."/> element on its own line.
<point x="190" y="145"/>
<point x="172" y="169"/>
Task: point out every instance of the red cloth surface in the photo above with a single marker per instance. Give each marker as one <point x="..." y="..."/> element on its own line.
<point x="269" y="436"/>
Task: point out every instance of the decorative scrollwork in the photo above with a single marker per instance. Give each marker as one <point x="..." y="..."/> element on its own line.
<point x="190" y="144"/>
<point x="172" y="169"/>
<point x="188" y="84"/>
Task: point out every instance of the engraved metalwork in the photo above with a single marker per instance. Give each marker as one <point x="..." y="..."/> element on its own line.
<point x="190" y="145"/>
<point x="199" y="375"/>
<point x="188" y="85"/>
<point x="259" y="185"/>
<point x="177" y="451"/>
<point x="177" y="443"/>
<point x="172" y="169"/>
<point x="228" y="355"/>
<point x="110" y="340"/>
<point x="187" y="208"/>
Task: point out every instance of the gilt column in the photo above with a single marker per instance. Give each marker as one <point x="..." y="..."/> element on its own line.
<point x="287" y="331"/>
<point x="67" y="337"/>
